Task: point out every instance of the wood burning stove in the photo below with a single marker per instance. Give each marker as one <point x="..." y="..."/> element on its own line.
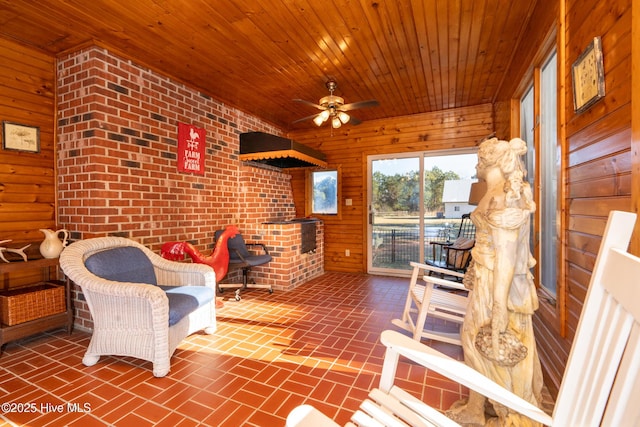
<point x="308" y="231"/>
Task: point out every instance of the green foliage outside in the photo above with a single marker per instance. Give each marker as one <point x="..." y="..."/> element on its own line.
<point x="399" y="192"/>
<point x="325" y="195"/>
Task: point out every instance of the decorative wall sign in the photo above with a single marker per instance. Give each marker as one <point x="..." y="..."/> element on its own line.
<point x="191" y="145"/>
<point x="20" y="137"/>
<point x="588" y="77"/>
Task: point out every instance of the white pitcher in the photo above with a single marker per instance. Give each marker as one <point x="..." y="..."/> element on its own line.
<point x="51" y="246"/>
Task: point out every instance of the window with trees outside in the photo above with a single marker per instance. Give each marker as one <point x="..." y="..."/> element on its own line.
<point x="416" y="202"/>
<point x="324" y="192"/>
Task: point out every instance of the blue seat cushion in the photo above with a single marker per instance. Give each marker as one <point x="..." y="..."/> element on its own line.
<point x="252" y="260"/>
<point x="122" y="264"/>
<point x="185" y="299"/>
<point x="130" y="264"/>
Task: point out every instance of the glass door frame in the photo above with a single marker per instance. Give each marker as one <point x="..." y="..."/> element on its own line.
<point x="421" y="155"/>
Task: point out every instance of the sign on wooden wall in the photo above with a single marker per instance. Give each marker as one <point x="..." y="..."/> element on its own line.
<point x="191" y="145"/>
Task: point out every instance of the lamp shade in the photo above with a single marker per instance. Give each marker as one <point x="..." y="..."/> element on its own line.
<point x="477" y="192"/>
<point x="344" y="117"/>
<point x="321" y="118"/>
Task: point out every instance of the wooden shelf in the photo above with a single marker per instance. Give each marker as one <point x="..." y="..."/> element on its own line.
<point x="9" y="267"/>
<point x="58" y="320"/>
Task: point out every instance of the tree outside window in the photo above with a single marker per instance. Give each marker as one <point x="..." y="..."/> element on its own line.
<point x="325" y="192"/>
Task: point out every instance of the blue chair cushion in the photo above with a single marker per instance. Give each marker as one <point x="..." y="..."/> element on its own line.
<point x="122" y="264"/>
<point x="185" y="299"/>
<point x="130" y="264"/>
<point x="253" y="260"/>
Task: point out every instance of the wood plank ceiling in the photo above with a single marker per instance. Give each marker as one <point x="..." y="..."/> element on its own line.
<point x="413" y="56"/>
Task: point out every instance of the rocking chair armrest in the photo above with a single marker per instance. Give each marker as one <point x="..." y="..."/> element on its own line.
<point x="439" y="270"/>
<point x="444" y="282"/>
<point x="398" y="344"/>
<point x="440" y="243"/>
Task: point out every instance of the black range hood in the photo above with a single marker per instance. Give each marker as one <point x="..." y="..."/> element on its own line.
<point x="278" y="151"/>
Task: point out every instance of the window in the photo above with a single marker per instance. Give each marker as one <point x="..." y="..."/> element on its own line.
<point x="538" y="127"/>
<point x="549" y="163"/>
<point x="324" y="192"/>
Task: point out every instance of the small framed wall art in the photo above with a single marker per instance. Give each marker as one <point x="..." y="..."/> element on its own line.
<point x="588" y="77"/>
<point x="20" y="137"/>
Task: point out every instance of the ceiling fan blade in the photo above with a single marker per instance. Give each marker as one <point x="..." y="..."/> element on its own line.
<point x="354" y="121"/>
<point x="304" y="118"/>
<point x="310" y="104"/>
<point x="359" y="104"/>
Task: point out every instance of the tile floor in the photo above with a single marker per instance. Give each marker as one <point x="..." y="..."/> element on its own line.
<point x="317" y="344"/>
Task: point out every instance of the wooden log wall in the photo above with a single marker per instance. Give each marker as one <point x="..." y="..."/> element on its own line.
<point x="598" y="146"/>
<point x="27" y="180"/>
<point x="597" y="154"/>
<point x="601" y="169"/>
<point x="349" y="147"/>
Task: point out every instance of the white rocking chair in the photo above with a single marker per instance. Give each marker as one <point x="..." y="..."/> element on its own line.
<point x="600" y="380"/>
<point x="435" y="297"/>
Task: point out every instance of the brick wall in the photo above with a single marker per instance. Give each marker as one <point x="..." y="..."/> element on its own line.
<point x="117" y="159"/>
<point x="290" y="267"/>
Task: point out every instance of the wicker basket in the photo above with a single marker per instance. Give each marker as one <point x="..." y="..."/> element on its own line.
<point x="33" y="302"/>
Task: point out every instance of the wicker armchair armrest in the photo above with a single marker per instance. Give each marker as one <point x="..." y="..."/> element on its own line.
<point x="121" y="304"/>
<point x="173" y="273"/>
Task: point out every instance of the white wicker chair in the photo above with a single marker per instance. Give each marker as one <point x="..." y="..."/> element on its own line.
<point x="132" y="319"/>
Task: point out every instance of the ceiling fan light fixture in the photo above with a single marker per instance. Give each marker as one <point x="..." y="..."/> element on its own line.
<point x="321" y="118"/>
<point x="334" y="109"/>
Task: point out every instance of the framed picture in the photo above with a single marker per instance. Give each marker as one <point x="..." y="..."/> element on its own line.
<point x="20" y="137"/>
<point x="588" y="77"/>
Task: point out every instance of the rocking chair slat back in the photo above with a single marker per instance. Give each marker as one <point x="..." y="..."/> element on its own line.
<point x="467" y="227"/>
<point x="601" y="381"/>
<point x="604" y="355"/>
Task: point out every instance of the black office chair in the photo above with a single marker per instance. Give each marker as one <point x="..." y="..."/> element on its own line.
<point x="240" y="257"/>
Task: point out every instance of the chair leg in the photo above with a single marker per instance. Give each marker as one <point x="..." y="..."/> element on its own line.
<point x="244" y="285"/>
<point x="237" y="286"/>
<point x="421" y="300"/>
<point x="245" y="277"/>
<point x="245" y="281"/>
<point x="421" y="319"/>
<point x="406" y="322"/>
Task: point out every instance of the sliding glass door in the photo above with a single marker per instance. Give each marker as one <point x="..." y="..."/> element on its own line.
<point x="414" y="199"/>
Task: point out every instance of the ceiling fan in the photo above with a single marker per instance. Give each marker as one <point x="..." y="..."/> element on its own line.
<point x="334" y="108"/>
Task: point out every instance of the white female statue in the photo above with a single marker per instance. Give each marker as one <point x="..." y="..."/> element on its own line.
<point x="497" y="334"/>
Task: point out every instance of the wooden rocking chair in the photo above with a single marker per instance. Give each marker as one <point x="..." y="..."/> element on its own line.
<point x="601" y="376"/>
<point x="454" y="255"/>
<point x="436" y="298"/>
